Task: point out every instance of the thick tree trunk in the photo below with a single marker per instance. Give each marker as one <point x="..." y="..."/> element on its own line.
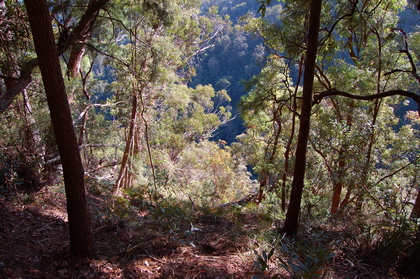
<point x="80" y="228"/>
<point x="292" y="216"/>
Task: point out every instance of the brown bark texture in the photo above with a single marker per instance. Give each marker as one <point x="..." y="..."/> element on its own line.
<point x="80" y="228"/>
<point x="292" y="216"/>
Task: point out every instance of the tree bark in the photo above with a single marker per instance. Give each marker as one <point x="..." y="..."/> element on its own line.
<point x="125" y="174"/>
<point x="292" y="216"/>
<point x="81" y="35"/>
<point x="80" y="228"/>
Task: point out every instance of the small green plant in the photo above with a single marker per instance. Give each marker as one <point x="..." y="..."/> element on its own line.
<point x="27" y="198"/>
<point x="262" y="263"/>
<point x="305" y="259"/>
<point x="170" y="216"/>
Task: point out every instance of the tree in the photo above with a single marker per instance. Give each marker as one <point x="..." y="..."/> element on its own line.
<point x="80" y="228"/>
<point x="163" y="38"/>
<point x="362" y="53"/>
<point x="292" y="216"/>
<point x="269" y="112"/>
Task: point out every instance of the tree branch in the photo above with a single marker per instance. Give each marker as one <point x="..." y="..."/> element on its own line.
<point x="407" y="52"/>
<point x="334" y="92"/>
<point x="330" y="31"/>
<point x="79" y="33"/>
<point x="20" y="84"/>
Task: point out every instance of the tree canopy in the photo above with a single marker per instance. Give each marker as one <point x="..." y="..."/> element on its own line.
<point x="304" y="113"/>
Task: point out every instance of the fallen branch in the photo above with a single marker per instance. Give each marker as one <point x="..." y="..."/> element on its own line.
<point x="244" y="201"/>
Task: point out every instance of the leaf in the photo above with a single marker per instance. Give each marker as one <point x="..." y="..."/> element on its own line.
<point x="264" y="254"/>
<point x="263" y="264"/>
<point x="271" y="253"/>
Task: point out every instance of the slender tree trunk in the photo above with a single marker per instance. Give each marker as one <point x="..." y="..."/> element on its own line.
<point x="290" y="140"/>
<point x="263" y="183"/>
<point x="415" y="213"/>
<point x="346" y="200"/>
<point x="364" y="184"/>
<point x="80" y="228"/>
<point x="338" y="184"/>
<point x="125" y="172"/>
<point x="292" y="216"/>
<point x="266" y="175"/>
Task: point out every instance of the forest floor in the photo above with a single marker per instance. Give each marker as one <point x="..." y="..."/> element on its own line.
<point x="34" y="242"/>
<point x="139" y="239"/>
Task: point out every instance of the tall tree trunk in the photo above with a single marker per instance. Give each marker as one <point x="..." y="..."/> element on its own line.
<point x="265" y="176"/>
<point x="292" y="216"/>
<point x="80" y="228"/>
<point x="288" y="150"/>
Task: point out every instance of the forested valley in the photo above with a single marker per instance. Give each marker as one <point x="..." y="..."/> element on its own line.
<point x="209" y="139"/>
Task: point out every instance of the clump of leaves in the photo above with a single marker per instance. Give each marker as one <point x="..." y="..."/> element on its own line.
<point x="307" y="258"/>
<point x="170" y="216"/>
<point x="262" y="263"/>
<point x="304" y="258"/>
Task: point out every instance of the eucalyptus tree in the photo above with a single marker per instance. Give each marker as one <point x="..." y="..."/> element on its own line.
<point x="373" y="48"/>
<point x="150" y="59"/>
<point x="81" y="236"/>
<point x="269" y="112"/>
<point x="18" y="72"/>
<point x="362" y="52"/>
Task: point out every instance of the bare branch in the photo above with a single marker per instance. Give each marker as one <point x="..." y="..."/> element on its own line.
<point x="329" y="32"/>
<point x="334" y="92"/>
<point x="407" y="52"/>
<point x="393" y="173"/>
<point x="82" y="114"/>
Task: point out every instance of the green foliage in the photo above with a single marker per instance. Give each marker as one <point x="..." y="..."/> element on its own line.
<point x="306" y="259"/>
<point x="162" y="76"/>
<point x="262" y="262"/>
<point x="171" y="216"/>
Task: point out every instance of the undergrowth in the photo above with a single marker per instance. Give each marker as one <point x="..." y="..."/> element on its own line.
<point x="347" y="246"/>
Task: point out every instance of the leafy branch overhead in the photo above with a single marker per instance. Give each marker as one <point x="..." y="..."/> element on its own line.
<point x="69" y="38"/>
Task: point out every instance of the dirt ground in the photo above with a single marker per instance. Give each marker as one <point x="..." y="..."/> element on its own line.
<point x="34" y="244"/>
